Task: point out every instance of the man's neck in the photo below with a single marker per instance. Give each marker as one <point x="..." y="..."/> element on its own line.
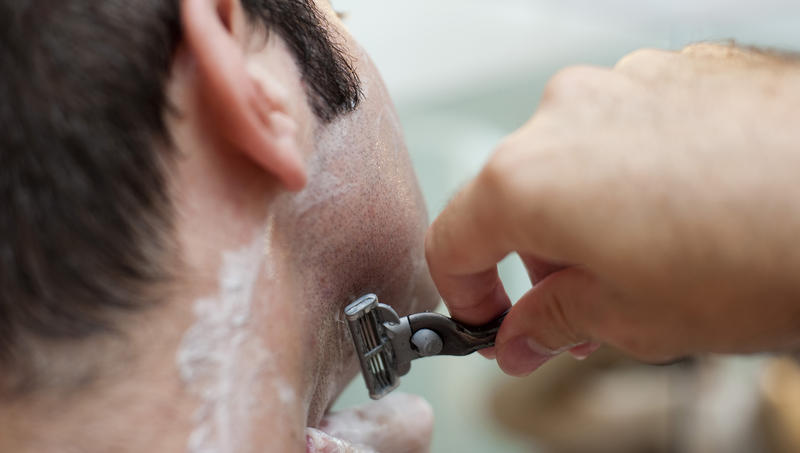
<point x="206" y="376"/>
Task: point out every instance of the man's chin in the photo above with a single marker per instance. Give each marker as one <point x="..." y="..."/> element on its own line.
<point x="398" y="422"/>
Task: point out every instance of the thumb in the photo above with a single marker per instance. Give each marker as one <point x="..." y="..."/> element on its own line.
<point x="563" y="312"/>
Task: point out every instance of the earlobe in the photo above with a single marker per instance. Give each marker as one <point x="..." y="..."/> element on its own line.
<point x="248" y="110"/>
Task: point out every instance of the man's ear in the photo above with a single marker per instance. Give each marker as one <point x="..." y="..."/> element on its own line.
<point x="250" y="113"/>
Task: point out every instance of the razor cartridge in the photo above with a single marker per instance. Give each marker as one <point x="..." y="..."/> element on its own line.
<point x="386" y="344"/>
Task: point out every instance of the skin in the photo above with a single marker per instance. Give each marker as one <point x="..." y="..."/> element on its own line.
<point x="335" y="209"/>
<point x="654" y="204"/>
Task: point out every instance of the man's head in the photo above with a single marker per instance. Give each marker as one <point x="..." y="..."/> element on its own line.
<point x="146" y="144"/>
<point x="87" y="154"/>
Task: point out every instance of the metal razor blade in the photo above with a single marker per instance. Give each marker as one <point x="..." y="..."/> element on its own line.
<point x="386" y="344"/>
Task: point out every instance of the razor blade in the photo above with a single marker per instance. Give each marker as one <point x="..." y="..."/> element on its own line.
<point x="386" y="344"/>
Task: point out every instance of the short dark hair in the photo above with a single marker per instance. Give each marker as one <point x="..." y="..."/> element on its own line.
<point x="86" y="222"/>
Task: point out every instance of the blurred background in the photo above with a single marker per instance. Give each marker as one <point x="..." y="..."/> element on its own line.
<point x="465" y="73"/>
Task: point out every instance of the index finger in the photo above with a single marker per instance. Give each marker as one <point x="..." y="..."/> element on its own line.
<point x="464" y="245"/>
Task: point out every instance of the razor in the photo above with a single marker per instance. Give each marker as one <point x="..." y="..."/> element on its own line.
<point x="386" y="344"/>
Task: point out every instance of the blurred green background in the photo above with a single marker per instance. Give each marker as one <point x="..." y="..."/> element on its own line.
<point x="465" y="73"/>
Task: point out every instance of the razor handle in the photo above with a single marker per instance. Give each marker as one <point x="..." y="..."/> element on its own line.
<point x="457" y="339"/>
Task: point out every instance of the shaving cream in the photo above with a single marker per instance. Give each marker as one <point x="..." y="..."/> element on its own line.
<point x="223" y="362"/>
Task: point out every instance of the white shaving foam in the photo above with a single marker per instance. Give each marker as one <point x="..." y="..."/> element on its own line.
<point x="326" y="186"/>
<point x="223" y="362"/>
<point x="320" y="442"/>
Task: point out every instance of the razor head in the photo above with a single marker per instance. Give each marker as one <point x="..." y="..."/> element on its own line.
<point x="386" y="344"/>
<point x="374" y="327"/>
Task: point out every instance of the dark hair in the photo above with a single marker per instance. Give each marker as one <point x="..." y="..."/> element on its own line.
<point x="85" y="228"/>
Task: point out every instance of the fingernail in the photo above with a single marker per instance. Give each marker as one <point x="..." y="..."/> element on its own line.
<point x="582" y="351"/>
<point x="489" y="353"/>
<point x="523" y="356"/>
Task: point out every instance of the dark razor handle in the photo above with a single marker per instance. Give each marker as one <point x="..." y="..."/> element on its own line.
<point x="458" y="339"/>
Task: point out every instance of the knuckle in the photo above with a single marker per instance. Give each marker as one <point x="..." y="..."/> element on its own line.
<point x="508" y="177"/>
<point x="504" y="188"/>
<point x="520" y="183"/>
<point x="643" y="57"/>
<point x="570" y="82"/>
<point x="648" y="65"/>
<point x="556" y="311"/>
<point x="498" y="174"/>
